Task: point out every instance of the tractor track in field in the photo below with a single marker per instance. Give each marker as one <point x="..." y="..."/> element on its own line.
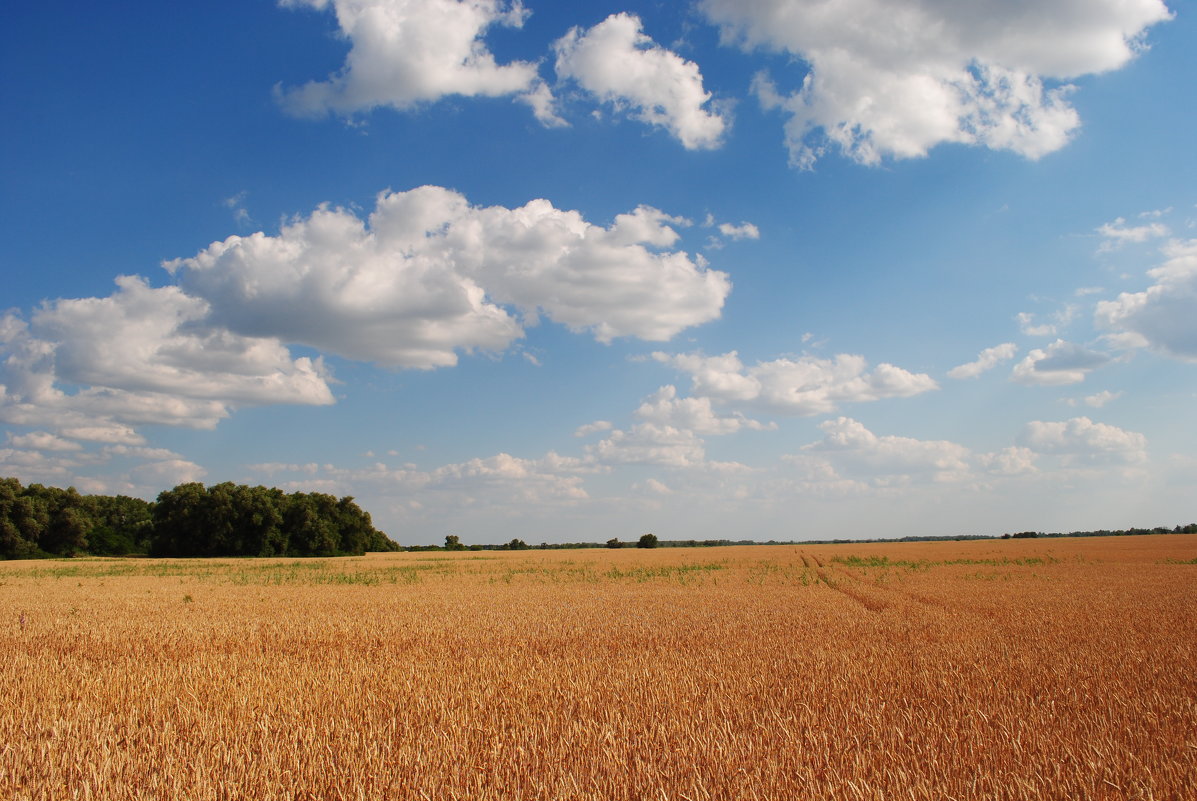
<point x="825" y="575"/>
<point x="843" y="580"/>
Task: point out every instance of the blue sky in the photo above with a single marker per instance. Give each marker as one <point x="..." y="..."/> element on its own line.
<point x="773" y="270"/>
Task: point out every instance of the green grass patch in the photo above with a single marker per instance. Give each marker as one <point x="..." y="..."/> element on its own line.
<point x="683" y="574"/>
<point x="879" y="561"/>
<point x="852" y="560"/>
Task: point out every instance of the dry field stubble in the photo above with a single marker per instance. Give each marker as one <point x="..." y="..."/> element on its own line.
<point x="1060" y="669"/>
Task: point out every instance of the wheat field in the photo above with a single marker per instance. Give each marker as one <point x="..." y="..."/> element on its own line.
<point x="1020" y="669"/>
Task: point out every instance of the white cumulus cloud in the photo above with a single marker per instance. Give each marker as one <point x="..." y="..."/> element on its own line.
<point x="425" y="276"/>
<point x="91" y="368"/>
<point x="1097" y="400"/>
<point x="986" y="360"/>
<point x="805" y="385"/>
<point x="169" y="472"/>
<point x="894" y="78"/>
<point x="1012" y="461"/>
<point x="501" y="482"/>
<point x="34" y="465"/>
<point x="650" y="444"/>
<point x="1161" y="317"/>
<point x="43" y="441"/>
<point x="1060" y="363"/>
<point x="1082" y="439"/>
<point x="1116" y="234"/>
<point x="744" y="230"/>
<point x="854" y="451"/>
<point x="516" y="480"/>
<point x="593" y="428"/>
<point x="1028" y="326"/>
<point x="406" y="52"/>
<point x="665" y="408"/>
<point x="617" y="63"/>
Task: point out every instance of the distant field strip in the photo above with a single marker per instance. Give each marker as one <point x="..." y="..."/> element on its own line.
<point x="1030" y="669"/>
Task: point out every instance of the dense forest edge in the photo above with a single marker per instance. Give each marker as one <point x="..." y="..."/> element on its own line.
<point x="190" y="520"/>
<point x="238" y="520"/>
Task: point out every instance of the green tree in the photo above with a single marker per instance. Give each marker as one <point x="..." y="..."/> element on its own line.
<point x="259" y="520"/>
<point x="356" y="527"/>
<point x="647" y="541"/>
<point x="62" y="519"/>
<point x="20" y="524"/>
<point x="453" y="543"/>
<point x="225" y="519"/>
<point x="614" y="543"/>
<point x="121" y="525"/>
<point x="310" y="524"/>
<point x="180" y="522"/>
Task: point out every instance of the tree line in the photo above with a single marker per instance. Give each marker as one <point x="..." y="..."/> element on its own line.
<point x="190" y="520"/>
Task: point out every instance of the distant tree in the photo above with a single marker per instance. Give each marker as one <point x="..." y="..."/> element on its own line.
<point x="121" y="525"/>
<point x="61" y="517"/>
<point x="310" y="523"/>
<point x="236" y="520"/>
<point x="357" y="529"/>
<point x="21" y="522"/>
<point x="67" y="532"/>
<point x="190" y="520"/>
<point x="259" y="521"/>
<point x="647" y="541"/>
<point x="179" y="522"/>
<point x="614" y="543"/>
<point x="381" y="543"/>
<point x="516" y="545"/>
<point x="453" y="543"/>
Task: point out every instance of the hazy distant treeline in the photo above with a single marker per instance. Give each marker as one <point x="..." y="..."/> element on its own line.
<point x="453" y="542"/>
<point x="190" y="520"/>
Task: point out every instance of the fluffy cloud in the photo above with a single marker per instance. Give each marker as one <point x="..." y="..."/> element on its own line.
<point x="666" y="409"/>
<point x="1010" y="461"/>
<point x="745" y="230"/>
<point x="33" y="465"/>
<point x="169" y="472"/>
<point x="130" y="470"/>
<point x="617" y="63"/>
<point x="1060" y="319"/>
<point x="897" y="77"/>
<point x="141" y="339"/>
<point x="1097" y="400"/>
<point x="1061" y="363"/>
<point x="986" y="360"/>
<point x="423" y="277"/>
<point x="1082" y="439"/>
<point x="544" y="105"/>
<point x="1116" y="234"/>
<point x="91" y="368"/>
<point x="650" y="444"/>
<point x="405" y="52"/>
<point x="501" y="481"/>
<point x="1162" y="316"/>
<point x="652" y="487"/>
<point x="593" y="428"/>
<point x="853" y="449"/>
<point x="517" y="480"/>
<point x="43" y="441"/>
<point x="803" y="386"/>
<point x="729" y="231"/>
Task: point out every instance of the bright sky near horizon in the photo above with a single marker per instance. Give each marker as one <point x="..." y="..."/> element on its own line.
<point x="765" y="269"/>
